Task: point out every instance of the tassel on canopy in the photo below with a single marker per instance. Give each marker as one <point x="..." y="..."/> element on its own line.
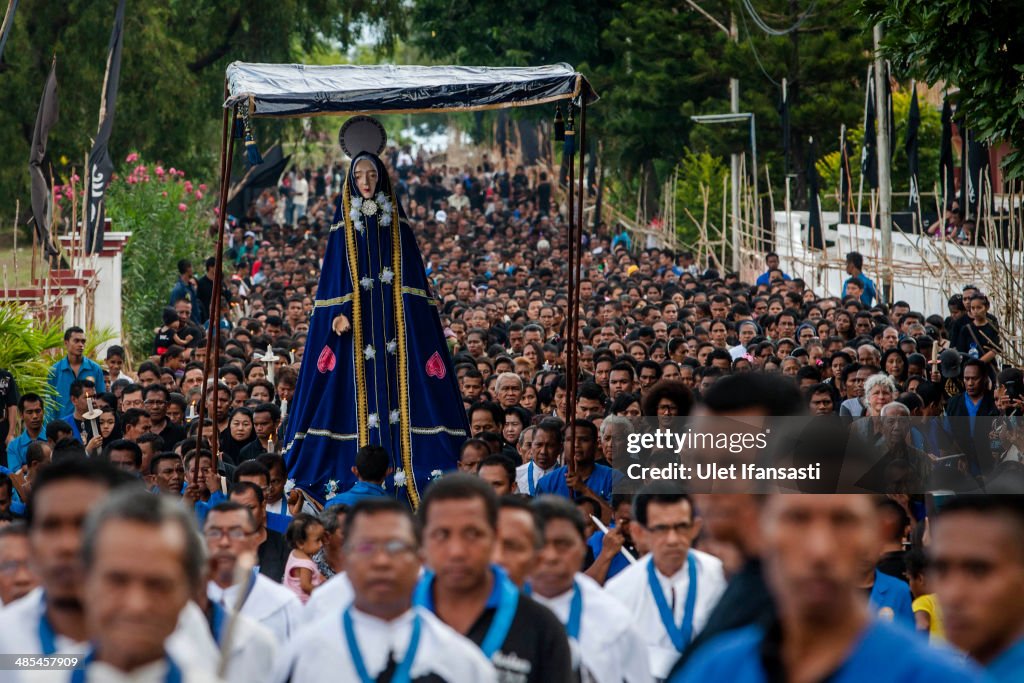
<point x="559" y="125"/>
<point x="252" y="152"/>
<point x="570" y="135"/>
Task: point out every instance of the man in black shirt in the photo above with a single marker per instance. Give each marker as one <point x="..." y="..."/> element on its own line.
<point x="524" y="640"/>
<point x="273" y="551"/>
<point x="155" y="401"/>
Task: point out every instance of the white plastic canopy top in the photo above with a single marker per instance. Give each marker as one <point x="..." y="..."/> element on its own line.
<point x="289" y="90"/>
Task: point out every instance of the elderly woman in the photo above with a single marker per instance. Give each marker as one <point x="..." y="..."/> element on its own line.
<point x="615" y="433"/>
<point x="879" y="391"/>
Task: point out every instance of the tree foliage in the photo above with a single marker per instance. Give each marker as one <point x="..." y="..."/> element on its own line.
<point x="172" y="73"/>
<point x="974" y="45"/>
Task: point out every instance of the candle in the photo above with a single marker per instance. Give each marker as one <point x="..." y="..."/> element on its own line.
<point x="292" y="354"/>
<point x="284" y="408"/>
<point x="92" y="420"/>
<point x="270" y="445"/>
<point x="192" y="414"/>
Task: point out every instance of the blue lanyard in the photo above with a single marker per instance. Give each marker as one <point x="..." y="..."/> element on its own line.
<point x="173" y="672"/>
<point x="529" y="479"/>
<point x="220" y="615"/>
<point x="572" y="625"/>
<point x="402" y="671"/>
<point x="680" y="635"/>
<point x="508" y="601"/>
<point x="47" y="636"/>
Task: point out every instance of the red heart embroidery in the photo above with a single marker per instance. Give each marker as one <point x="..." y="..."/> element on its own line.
<point x="326" y="361"/>
<point x="435" y="366"/>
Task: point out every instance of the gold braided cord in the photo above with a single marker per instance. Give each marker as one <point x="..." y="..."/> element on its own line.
<point x="362" y="410"/>
<point x="336" y="301"/>
<point x="430" y="431"/>
<point x="403" y="357"/>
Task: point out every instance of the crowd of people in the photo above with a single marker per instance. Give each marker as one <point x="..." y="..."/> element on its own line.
<point x="132" y="543"/>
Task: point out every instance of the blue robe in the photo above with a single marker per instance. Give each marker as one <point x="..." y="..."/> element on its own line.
<point x="389" y="380"/>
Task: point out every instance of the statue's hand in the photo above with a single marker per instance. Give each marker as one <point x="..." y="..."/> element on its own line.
<point x="341" y="325"/>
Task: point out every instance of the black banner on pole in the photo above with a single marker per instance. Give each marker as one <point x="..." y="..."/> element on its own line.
<point x="42" y="208"/>
<point x="947" y="174"/>
<point x="913" y="125"/>
<point x="869" y="147"/>
<point x="100" y="164"/>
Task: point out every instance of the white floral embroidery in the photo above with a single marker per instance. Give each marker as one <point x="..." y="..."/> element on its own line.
<point x="395" y="416"/>
<point x="400" y="478"/>
<point x="367" y="282"/>
<point x="288" y="486"/>
<point x="387" y="276"/>
<point x="357" y="202"/>
<point x="385" y="220"/>
<point x="354" y="214"/>
<point x="384" y="202"/>
<point x="369" y="208"/>
<point x="369" y="352"/>
<point x="358" y="225"/>
<point x="331" y="489"/>
<point x="392" y="347"/>
<point x="373" y="421"/>
<point x="436" y="474"/>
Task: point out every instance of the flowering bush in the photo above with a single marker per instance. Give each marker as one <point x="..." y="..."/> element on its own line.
<point x="168" y="217"/>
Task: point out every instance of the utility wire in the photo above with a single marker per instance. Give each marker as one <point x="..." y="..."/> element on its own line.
<point x="760" y="23"/>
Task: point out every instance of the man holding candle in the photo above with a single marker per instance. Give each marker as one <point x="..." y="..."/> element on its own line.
<point x="266" y="418"/>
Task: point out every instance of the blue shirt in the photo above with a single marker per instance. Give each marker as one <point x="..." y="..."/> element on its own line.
<point x="869" y="294"/>
<point x="359" y="491"/>
<point x="765" y="278"/>
<point x="883" y="654"/>
<point x="185" y="290"/>
<point x="618" y="563"/>
<point x="891" y="600"/>
<point x="18" y="447"/>
<point x="61" y="377"/>
<point x="601" y="481"/>
<point x="1008" y="667"/>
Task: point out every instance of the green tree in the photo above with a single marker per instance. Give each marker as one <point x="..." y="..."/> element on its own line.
<point x="974" y="45"/>
<point x="172" y="73"/>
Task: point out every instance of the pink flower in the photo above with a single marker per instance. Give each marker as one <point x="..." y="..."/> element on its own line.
<point x="75" y="177"/>
<point x="182" y="207"/>
<point x="199" y="195"/>
<point x="188" y="186"/>
<point x="131" y="157"/>
<point x="181" y="174"/>
<point x="140" y="169"/>
<point x="163" y="194"/>
<point x="159" y="170"/>
<point x="202" y="186"/>
<point x="131" y="180"/>
<point x="216" y="211"/>
<point x="173" y="171"/>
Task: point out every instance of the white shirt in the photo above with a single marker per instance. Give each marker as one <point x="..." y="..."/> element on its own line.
<point x="320" y="651"/>
<point x="300" y="191"/>
<point x="250" y="659"/>
<point x="631" y="589"/>
<point x="270" y="604"/>
<point x="331" y="597"/>
<point x="611" y="650"/>
<point x="100" y="672"/>
<point x="523" y="478"/>
<point x="19" y="634"/>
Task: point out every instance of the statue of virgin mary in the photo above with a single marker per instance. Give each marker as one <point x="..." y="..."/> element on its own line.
<point x="376" y="368"/>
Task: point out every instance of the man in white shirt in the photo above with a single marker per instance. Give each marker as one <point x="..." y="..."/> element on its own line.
<point x="607" y="646"/>
<point x="300" y="194"/>
<point x="672" y="590"/>
<point x="230" y="533"/>
<point x="547" y="449"/>
<point x="142" y="561"/>
<point x="381" y="632"/>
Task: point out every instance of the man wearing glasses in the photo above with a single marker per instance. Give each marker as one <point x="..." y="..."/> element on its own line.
<point x="382" y="635"/>
<point x="672" y="590"/>
<point x="156" y="396"/>
<point x="232" y="533"/>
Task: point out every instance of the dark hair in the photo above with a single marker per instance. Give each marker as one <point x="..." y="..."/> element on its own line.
<point x="251" y="468"/>
<point x="275" y="412"/>
<point x="660" y="494"/>
<point x="548" y="508"/>
<point x="856" y="260"/>
<point x="372" y="463"/>
<point x="368" y="507"/>
<point x="298" y="529"/>
<point x="132" y="416"/>
<point x="80" y="469"/>
<point x="460" y="486"/>
<point x="916" y="562"/>
<point x="777" y="396"/>
<point x="74" y="329"/>
<point x="241" y="487"/>
<point x="497" y="414"/>
<point x="126" y="445"/>
<point x="30" y="398"/>
<point x="165" y="455"/>
<point x="232" y="506"/>
<point x="673" y="390"/>
<point x="499" y="461"/>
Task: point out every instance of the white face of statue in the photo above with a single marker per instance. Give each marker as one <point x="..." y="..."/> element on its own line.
<point x="366" y="177"/>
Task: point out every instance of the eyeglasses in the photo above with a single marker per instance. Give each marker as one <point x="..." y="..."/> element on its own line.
<point x="235" y="533"/>
<point x="12" y="566"/>
<point x="664" y="529"/>
<point x="390" y="548"/>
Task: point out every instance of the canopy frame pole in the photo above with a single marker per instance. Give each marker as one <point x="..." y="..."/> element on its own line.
<point x="570" y="375"/>
<point x="576" y="265"/>
<point x="211" y="362"/>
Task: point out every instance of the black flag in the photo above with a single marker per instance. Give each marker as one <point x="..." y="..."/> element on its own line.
<point x="814" y="236"/>
<point x="869" y="147"/>
<point x="913" y="124"/>
<point x="12" y="7"/>
<point x="845" y="186"/>
<point x="100" y="164"/>
<point x="947" y="174"/>
<point x="786" y="127"/>
<point x="978" y="180"/>
<point x="890" y="114"/>
<point x="42" y="209"/>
